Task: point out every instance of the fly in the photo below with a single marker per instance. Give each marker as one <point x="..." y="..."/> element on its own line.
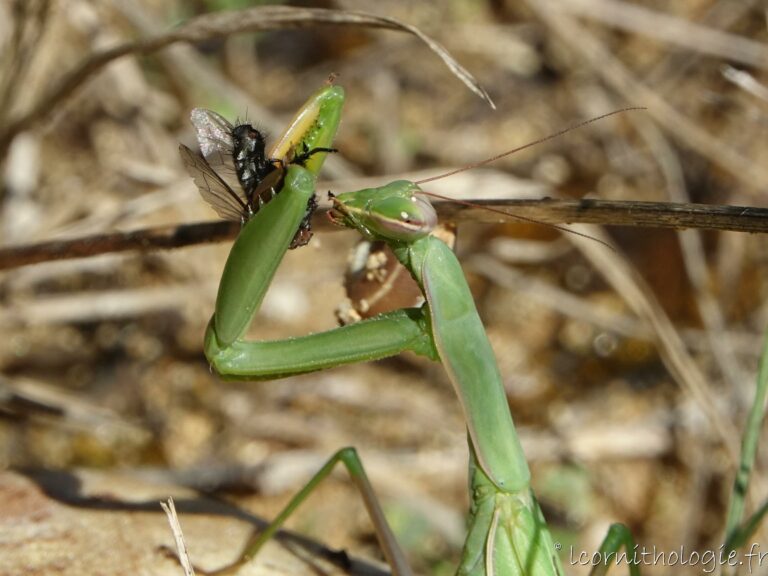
<point x="234" y="174"/>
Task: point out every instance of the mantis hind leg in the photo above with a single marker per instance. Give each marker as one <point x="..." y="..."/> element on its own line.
<point x="618" y="535"/>
<point x="351" y="461"/>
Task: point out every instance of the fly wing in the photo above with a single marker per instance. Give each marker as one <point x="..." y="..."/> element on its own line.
<point x="214" y="132"/>
<point x="214" y="135"/>
<point x="213" y="189"/>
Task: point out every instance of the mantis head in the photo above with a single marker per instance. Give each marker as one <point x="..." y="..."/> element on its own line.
<point x="397" y="211"/>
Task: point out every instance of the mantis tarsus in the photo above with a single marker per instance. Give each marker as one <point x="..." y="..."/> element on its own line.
<point x="507" y="532"/>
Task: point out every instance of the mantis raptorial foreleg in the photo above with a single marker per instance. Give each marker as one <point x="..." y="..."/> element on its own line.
<point x="507" y="532"/>
<point x="249" y="270"/>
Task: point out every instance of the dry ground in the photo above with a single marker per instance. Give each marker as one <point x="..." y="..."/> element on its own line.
<point x="629" y="375"/>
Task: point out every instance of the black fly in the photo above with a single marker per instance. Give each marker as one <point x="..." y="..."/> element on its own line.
<point x="234" y="174"/>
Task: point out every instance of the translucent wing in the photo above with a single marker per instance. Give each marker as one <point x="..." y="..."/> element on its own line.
<point x="214" y="135"/>
<point x="213" y="189"/>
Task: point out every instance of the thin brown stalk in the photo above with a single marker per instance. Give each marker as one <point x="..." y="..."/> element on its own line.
<point x="544" y="211"/>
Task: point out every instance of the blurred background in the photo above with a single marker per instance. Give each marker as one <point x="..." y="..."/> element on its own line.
<point x="629" y="375"/>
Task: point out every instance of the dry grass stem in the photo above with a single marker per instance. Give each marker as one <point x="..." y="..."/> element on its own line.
<point x="181" y="547"/>
<point x="216" y="25"/>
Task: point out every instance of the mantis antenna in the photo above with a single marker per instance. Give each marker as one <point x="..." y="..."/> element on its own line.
<point x="528" y="145"/>
<point x="513" y="151"/>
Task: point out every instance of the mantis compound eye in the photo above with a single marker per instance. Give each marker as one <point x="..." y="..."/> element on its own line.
<point x="401" y="218"/>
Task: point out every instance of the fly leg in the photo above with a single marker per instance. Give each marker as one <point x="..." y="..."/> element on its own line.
<point x="304" y="233"/>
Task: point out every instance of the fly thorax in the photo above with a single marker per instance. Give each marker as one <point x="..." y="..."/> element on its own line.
<point x="249" y="156"/>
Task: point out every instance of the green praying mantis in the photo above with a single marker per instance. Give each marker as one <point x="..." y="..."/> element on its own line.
<point x="507" y="533"/>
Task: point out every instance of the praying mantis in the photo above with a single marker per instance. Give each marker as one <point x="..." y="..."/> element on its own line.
<point x="507" y="533"/>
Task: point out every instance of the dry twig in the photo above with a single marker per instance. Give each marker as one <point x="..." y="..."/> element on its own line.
<point x="545" y="211"/>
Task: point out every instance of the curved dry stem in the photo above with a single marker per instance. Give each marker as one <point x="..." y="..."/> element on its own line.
<point x="214" y="25"/>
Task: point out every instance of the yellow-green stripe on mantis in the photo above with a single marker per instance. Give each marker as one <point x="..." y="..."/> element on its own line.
<point x="507" y="533"/>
